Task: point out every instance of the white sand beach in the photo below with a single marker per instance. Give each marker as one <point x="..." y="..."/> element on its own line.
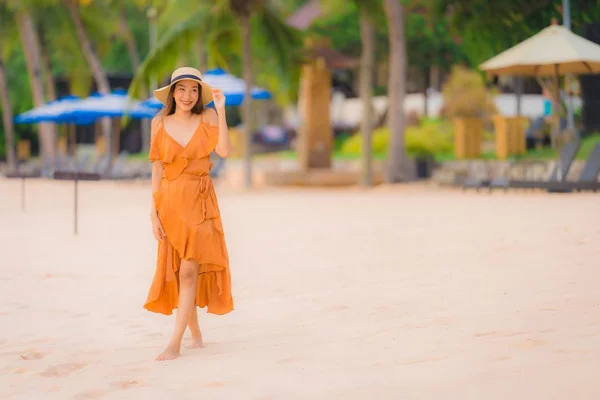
<point x="399" y="292"/>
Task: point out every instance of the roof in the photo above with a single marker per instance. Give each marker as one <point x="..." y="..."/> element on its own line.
<point x="306" y="15"/>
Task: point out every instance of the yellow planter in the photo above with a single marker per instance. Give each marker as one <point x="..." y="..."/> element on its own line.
<point x="510" y="136"/>
<point x="23" y="149"/>
<point x="468" y="134"/>
<point x="518" y="131"/>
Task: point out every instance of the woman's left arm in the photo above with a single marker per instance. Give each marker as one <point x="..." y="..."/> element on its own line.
<point x="224" y="143"/>
<point x="223" y="147"/>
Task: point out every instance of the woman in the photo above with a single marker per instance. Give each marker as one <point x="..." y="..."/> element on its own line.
<point x="192" y="264"/>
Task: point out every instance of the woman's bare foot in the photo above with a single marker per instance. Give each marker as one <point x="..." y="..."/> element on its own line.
<point x="197" y="342"/>
<point x="170" y="353"/>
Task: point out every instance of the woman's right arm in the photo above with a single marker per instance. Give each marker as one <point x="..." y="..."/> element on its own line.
<point x="157" y="169"/>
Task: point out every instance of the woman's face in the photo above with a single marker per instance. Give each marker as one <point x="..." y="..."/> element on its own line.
<point x="186" y="94"/>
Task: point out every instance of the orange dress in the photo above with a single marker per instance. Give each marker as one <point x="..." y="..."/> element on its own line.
<point x="188" y="210"/>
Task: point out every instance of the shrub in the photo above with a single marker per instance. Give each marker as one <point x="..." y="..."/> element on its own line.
<point x="465" y="95"/>
<point x="428" y="138"/>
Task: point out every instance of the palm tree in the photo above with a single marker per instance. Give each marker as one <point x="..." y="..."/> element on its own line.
<point x="31" y="48"/>
<point x="97" y="70"/>
<point x="7" y="111"/>
<point x="394" y="11"/>
<point x="224" y="25"/>
<point x="367" y="10"/>
<point x="127" y="35"/>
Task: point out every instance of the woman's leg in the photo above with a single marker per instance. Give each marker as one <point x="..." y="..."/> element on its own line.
<point x="188" y="279"/>
<point x="195" y="330"/>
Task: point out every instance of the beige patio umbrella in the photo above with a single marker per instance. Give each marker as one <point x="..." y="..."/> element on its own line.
<point x="552" y="52"/>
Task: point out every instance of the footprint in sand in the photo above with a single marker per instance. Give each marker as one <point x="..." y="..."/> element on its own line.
<point x="498" y="334"/>
<point x="215" y="384"/>
<point x="91" y="394"/>
<point x="529" y="343"/>
<point x="287" y="360"/>
<point x="154" y="335"/>
<point x="499" y="358"/>
<point x="337" y="308"/>
<point x="421" y="360"/>
<point x="127" y="384"/>
<point x="58" y="276"/>
<point x="61" y="370"/>
<point x="32" y="355"/>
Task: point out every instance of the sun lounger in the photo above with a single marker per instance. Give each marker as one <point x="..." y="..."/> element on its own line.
<point x="587" y="179"/>
<point x="560" y="171"/>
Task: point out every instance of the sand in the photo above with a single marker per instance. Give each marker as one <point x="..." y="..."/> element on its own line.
<point x="391" y="293"/>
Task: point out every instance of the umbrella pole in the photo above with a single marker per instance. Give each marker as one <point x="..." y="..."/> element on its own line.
<point x="72" y="140"/>
<point x="556" y="115"/>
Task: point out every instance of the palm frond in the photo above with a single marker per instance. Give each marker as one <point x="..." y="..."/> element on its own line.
<point x="177" y="40"/>
<point x="65" y="51"/>
<point x="283" y="41"/>
<point x="221" y="44"/>
<point x="373" y="9"/>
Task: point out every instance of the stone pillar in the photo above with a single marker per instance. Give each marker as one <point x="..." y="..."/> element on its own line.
<point x="315" y="141"/>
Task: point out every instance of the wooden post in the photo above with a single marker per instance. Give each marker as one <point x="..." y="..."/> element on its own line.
<point x="315" y="144"/>
<point x="117" y="136"/>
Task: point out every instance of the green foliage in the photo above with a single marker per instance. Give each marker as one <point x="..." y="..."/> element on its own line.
<point x="219" y="27"/>
<point x="66" y="58"/>
<point x="179" y="39"/>
<point x="465" y="95"/>
<point x="429" y="39"/>
<point x="490" y="27"/>
<point x="430" y="137"/>
<point x="341" y="25"/>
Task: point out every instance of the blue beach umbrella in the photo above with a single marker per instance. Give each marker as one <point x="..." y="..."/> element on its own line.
<point x="115" y="104"/>
<point x="56" y="111"/>
<point x="233" y="88"/>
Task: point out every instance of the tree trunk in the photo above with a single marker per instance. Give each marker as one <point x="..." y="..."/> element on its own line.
<point x="97" y="71"/>
<point x="367" y="63"/>
<point x="7" y="117"/>
<point x="88" y="50"/>
<point x="46" y="66"/>
<point x="426" y="85"/>
<point x="129" y="39"/>
<point x="247" y="104"/>
<point x="202" y="56"/>
<point x="31" y="48"/>
<point x="48" y="79"/>
<point x="396" y="90"/>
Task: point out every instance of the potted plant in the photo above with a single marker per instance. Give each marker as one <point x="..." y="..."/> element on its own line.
<point x="469" y="104"/>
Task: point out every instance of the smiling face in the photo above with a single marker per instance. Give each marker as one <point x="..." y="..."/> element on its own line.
<point x="186" y="94"/>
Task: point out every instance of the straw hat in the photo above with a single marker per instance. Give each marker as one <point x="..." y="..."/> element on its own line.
<point x="185" y="73"/>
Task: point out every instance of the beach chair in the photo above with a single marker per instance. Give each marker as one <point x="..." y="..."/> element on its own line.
<point x="559" y="172"/>
<point x="587" y="178"/>
<point x="119" y="165"/>
<point x="474" y="182"/>
<point x="218" y="165"/>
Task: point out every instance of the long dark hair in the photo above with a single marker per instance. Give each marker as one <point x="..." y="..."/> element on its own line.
<point x="169" y="108"/>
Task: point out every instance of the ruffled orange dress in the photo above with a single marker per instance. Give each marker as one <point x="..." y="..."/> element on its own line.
<point x="188" y="210"/>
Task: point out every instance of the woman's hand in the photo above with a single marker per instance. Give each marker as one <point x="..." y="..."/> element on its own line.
<point x="218" y="99"/>
<point x="157" y="228"/>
